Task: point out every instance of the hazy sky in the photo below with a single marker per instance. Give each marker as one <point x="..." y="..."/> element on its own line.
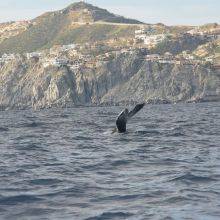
<point x="150" y="11"/>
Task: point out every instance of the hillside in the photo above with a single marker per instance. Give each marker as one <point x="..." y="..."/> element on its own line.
<point x="80" y="22"/>
<point x="84" y="23"/>
<point x="10" y="29"/>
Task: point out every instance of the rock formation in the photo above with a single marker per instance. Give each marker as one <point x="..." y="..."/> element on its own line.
<point x="126" y="79"/>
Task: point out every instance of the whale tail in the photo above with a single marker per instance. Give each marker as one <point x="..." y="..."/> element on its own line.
<point x="125" y="115"/>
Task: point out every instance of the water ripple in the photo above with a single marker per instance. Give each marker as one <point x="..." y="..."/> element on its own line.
<point x="66" y="164"/>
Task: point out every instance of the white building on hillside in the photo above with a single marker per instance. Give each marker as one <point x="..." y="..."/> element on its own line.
<point x="68" y="47"/>
<point x="187" y="55"/>
<point x="8" y="57"/>
<point x="153" y="40"/>
<point x="140" y="32"/>
<point x="55" y="62"/>
<point x="33" y="55"/>
<point x="150" y="40"/>
<point x="152" y="57"/>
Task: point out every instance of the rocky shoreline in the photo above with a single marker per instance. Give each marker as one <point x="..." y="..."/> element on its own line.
<point x="127" y="79"/>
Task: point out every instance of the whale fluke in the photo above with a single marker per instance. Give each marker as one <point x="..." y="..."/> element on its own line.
<point x="125" y="115"/>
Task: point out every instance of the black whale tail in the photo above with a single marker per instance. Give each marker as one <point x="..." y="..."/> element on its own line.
<point x="125" y="116"/>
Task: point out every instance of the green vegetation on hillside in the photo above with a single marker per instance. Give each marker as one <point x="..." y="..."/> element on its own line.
<point x="54" y="28"/>
<point x="51" y="33"/>
<point x="84" y="23"/>
<point x="36" y="36"/>
<point x="92" y="33"/>
<point x="217" y="49"/>
<point x="177" y="46"/>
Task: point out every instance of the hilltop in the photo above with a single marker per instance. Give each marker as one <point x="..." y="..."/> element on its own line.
<point x="80" y="22"/>
<point x="84" y="23"/>
<point x="84" y="12"/>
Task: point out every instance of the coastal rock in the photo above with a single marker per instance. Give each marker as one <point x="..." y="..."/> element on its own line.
<point x="126" y="79"/>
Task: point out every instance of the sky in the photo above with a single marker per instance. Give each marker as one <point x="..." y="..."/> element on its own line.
<point x="169" y="12"/>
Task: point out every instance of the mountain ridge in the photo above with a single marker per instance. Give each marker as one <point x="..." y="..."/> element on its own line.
<point x="58" y="27"/>
<point x="99" y="14"/>
<point x="77" y="23"/>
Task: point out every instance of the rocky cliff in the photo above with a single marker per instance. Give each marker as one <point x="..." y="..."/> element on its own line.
<point x="125" y="79"/>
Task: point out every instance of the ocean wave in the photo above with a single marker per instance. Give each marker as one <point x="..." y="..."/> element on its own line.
<point x="2" y="129"/>
<point x="111" y="215"/>
<point x="14" y="200"/>
<point x="64" y="116"/>
<point x="148" y="132"/>
<point x="175" y="199"/>
<point x="171" y="161"/>
<point x="121" y="197"/>
<point x="31" y="146"/>
<point x="176" y="134"/>
<point x="121" y="162"/>
<point x="193" y="178"/>
<point x="44" y="182"/>
<point x="32" y="124"/>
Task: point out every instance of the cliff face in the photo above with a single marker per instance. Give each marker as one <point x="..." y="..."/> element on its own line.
<point x="167" y="83"/>
<point x="126" y="79"/>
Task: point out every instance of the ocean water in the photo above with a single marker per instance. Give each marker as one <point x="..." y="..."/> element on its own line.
<point x="66" y="164"/>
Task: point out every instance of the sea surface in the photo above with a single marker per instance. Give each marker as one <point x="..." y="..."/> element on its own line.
<point x="66" y="164"/>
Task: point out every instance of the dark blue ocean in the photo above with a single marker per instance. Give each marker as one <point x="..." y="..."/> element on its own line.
<point x="66" y="164"/>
